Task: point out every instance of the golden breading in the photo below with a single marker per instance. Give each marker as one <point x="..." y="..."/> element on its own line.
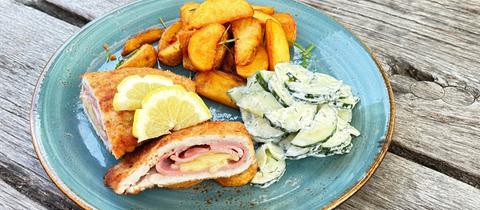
<point x="118" y="125"/>
<point x="120" y="176"/>
<point x="239" y="179"/>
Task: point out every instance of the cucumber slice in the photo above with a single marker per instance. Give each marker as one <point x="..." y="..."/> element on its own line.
<point x="271" y="164"/>
<point x="236" y="93"/>
<point x="278" y="90"/>
<point x="296" y="153"/>
<point x="263" y="77"/>
<point x="259" y="128"/>
<point x="325" y="152"/>
<point x="258" y="102"/>
<point x="323" y="126"/>
<point x="293" y="118"/>
<point x="290" y="73"/>
<point x="266" y="140"/>
<point x="339" y="137"/>
<point x="345" y="114"/>
<point x="285" y="142"/>
<point x="253" y="85"/>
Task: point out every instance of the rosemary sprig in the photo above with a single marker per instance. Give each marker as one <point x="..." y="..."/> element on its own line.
<point x="163" y="23"/>
<point x="107" y="52"/>
<point x="227" y="41"/>
<point x="305" y="53"/>
<point x="125" y="58"/>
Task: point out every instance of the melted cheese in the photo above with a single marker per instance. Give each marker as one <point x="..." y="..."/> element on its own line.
<point x="211" y="161"/>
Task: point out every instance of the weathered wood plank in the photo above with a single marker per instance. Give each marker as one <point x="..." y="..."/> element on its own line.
<point x="12" y="199"/>
<point x="28" y="38"/>
<point x="89" y="9"/>
<point x="402" y="184"/>
<point x="426" y="41"/>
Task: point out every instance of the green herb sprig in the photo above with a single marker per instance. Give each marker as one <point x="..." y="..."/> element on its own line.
<point x="125" y="58"/>
<point x="305" y="53"/>
<point x="162" y="22"/>
<point x="227" y="41"/>
<point x="107" y="52"/>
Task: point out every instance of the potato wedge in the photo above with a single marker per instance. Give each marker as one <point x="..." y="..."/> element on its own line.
<point x="186" y="11"/>
<point x="146" y="56"/>
<point x="288" y="25"/>
<point x="228" y="64"/>
<point x="221" y="50"/>
<point x="146" y="37"/>
<point x="276" y="44"/>
<point x="171" y="55"/>
<point x="170" y="35"/>
<point x="203" y="45"/>
<point x="248" y="36"/>
<point x="260" y="62"/>
<point x="262" y="17"/>
<point x="219" y="11"/>
<point x="265" y="9"/>
<point x="215" y="84"/>
<point x="184" y="38"/>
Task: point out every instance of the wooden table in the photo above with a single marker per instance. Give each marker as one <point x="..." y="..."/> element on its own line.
<point x="430" y="48"/>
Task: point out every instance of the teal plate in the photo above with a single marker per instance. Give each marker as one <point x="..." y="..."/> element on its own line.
<point x="75" y="158"/>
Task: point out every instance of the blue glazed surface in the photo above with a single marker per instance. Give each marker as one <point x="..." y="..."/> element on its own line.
<point x="77" y="159"/>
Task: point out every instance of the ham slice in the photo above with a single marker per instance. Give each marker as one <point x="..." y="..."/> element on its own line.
<point x="169" y="162"/>
<point x="159" y="163"/>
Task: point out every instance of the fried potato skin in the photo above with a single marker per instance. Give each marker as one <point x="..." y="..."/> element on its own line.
<point x="146" y="37"/>
<point x="239" y="179"/>
<point x="265" y="9"/>
<point x="146" y="56"/>
<point x="186" y="11"/>
<point x="276" y="44"/>
<point x="248" y="36"/>
<point x="260" y="62"/>
<point x="171" y="55"/>
<point x="288" y="25"/>
<point x="219" y="11"/>
<point x="170" y="35"/>
<point x="184" y="37"/>
<point x="215" y="84"/>
<point x="263" y="17"/>
<point x="203" y="45"/>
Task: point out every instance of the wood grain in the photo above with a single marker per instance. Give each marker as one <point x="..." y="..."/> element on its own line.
<point x="433" y="42"/>
<point x="28" y="38"/>
<point x="402" y="184"/>
<point x="12" y="199"/>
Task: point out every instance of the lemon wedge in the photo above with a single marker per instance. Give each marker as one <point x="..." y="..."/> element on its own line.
<point x="132" y="90"/>
<point x="167" y="108"/>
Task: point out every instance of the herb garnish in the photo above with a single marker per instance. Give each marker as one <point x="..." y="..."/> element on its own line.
<point x="226" y="41"/>
<point x="163" y="23"/>
<point x="305" y="53"/>
<point x="107" y="52"/>
<point x="125" y="58"/>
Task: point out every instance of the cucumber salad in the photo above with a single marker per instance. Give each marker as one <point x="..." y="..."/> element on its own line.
<point x="293" y="113"/>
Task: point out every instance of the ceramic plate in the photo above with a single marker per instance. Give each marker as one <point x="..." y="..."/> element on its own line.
<point x="76" y="160"/>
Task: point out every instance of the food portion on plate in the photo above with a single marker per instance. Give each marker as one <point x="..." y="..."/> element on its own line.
<point x="211" y="150"/>
<point x="295" y="113"/>
<point x="97" y="95"/>
<point x="240" y="54"/>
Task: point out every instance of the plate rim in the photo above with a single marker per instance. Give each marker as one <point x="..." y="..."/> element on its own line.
<point x="86" y="205"/>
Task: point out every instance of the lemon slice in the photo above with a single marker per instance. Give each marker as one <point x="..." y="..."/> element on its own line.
<point x="167" y="108"/>
<point x="132" y="90"/>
